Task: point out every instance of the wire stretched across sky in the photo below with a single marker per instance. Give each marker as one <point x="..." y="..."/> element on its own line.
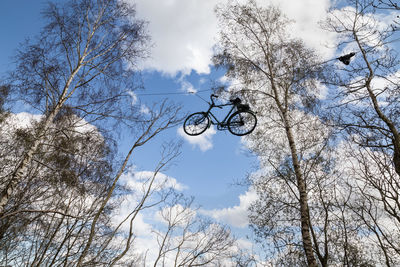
<point x="173" y="93"/>
<point x="345" y="59"/>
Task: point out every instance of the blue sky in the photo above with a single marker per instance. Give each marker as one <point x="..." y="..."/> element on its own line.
<point x="184" y="33"/>
<point x="211" y="174"/>
<point x="208" y="174"/>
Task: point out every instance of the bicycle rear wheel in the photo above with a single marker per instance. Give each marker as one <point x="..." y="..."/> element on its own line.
<point x="196" y="123"/>
<point x="242" y="122"/>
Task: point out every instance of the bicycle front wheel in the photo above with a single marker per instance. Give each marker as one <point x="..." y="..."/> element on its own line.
<point x="196" y="123"/>
<point x="242" y="122"/>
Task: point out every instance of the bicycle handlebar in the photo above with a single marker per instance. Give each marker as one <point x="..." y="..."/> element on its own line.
<point x="212" y="101"/>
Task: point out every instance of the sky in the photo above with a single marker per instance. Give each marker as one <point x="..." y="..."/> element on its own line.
<point x="184" y="33"/>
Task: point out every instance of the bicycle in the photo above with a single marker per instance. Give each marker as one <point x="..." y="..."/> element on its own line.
<point x="240" y="120"/>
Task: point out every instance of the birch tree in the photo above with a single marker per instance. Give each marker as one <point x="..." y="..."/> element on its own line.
<point x="59" y="180"/>
<point x="185" y="239"/>
<point x="367" y="107"/>
<point x="62" y="215"/>
<point x="82" y="61"/>
<point x="278" y="75"/>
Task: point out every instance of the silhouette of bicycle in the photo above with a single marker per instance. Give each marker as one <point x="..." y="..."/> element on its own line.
<point x="240" y="120"/>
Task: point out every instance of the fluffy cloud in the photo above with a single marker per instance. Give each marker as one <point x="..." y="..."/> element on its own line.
<point x="186" y="86"/>
<point x="185" y="31"/>
<point x="307" y="15"/>
<point x="22" y="120"/>
<point x="144" y="109"/>
<point x="236" y="216"/>
<point x="203" y="141"/>
<point x="369" y="25"/>
<point x="138" y="180"/>
<point x="133" y="96"/>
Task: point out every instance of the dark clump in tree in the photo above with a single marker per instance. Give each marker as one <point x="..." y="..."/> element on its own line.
<point x="81" y="59"/>
<point x="59" y="170"/>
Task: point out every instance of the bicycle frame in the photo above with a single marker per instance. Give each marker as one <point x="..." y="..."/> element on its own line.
<point x="213" y="118"/>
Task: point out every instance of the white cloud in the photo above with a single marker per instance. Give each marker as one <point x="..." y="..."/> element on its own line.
<point x="137" y="180"/>
<point x="245" y="244"/>
<point x="135" y="101"/>
<point x="139" y="224"/>
<point x="202" y="141"/>
<point x="369" y="27"/>
<point x="144" y="109"/>
<point x="306" y="15"/>
<point x="186" y="86"/>
<point x="383" y="87"/>
<point x="133" y="96"/>
<point x="185" y="31"/>
<point x="23" y="119"/>
<point x="236" y="216"/>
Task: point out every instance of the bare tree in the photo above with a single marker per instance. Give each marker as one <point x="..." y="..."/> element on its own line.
<point x="369" y="86"/>
<point x="163" y="119"/>
<point x="4" y="90"/>
<point x="53" y="205"/>
<point x="188" y="240"/>
<point x="61" y="183"/>
<point x="371" y="184"/>
<point x="64" y="217"/>
<point x="386" y="4"/>
<point x="278" y="75"/>
<point x="61" y="175"/>
<point x="81" y="60"/>
<point x="367" y="109"/>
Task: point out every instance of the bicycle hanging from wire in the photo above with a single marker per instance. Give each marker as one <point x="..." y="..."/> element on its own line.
<point x="240" y="120"/>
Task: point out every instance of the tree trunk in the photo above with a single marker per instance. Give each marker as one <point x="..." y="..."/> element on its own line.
<point x="304" y="210"/>
<point x="301" y="184"/>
